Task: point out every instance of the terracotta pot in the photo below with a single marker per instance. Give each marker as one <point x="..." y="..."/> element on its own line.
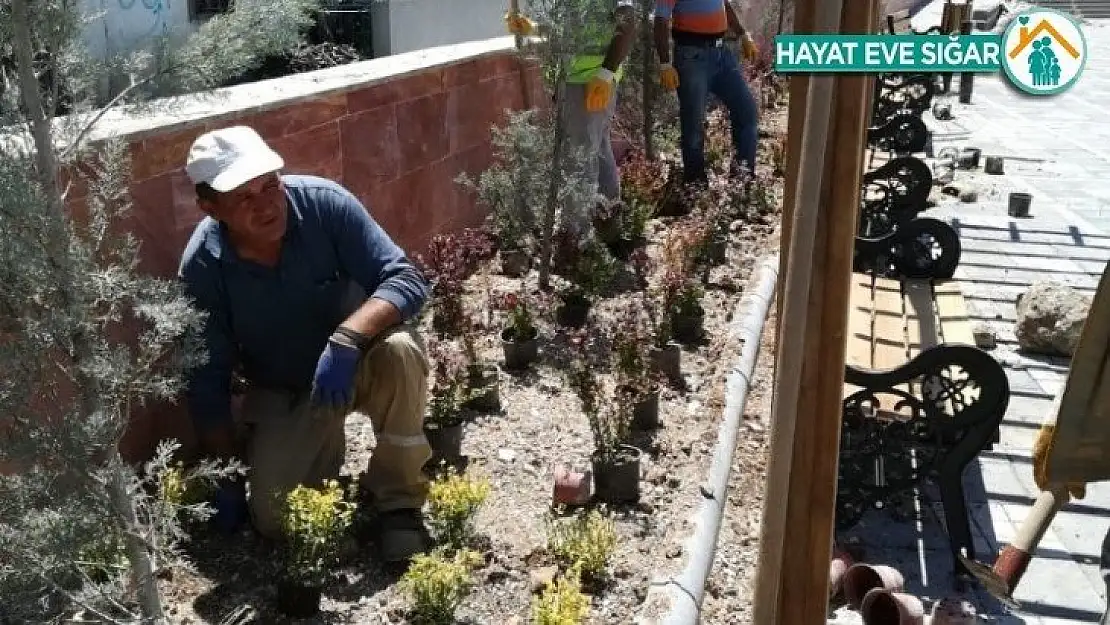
<point x="841" y="560"/>
<point x="572" y="488"/>
<point x="861" y="578"/>
<point x="954" y="611"/>
<point x="883" y="607"/>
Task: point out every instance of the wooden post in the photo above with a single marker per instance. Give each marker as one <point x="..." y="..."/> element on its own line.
<point x="967" y="79"/>
<point x="792" y="580"/>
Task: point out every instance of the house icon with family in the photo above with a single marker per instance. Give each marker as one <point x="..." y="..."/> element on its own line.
<point x="1045" y="51"/>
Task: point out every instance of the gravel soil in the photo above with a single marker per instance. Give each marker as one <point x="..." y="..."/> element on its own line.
<point x="541" y="426"/>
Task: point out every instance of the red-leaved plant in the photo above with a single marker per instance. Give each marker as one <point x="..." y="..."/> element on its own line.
<point x="449" y="260"/>
<point x="520" y="314"/>
<point x="643" y="181"/>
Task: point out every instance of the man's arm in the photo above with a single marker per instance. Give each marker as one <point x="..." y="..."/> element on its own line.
<point x="397" y="288"/>
<point x="621" y="44"/>
<point x="208" y="391"/>
<point x="663" y="11"/>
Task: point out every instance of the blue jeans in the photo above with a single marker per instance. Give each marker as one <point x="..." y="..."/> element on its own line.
<point x="703" y="70"/>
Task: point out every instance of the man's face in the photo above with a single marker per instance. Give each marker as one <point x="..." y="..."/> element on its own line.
<point x="255" y="211"/>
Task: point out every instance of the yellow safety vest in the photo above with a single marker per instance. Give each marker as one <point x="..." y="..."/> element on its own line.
<point x="586" y="64"/>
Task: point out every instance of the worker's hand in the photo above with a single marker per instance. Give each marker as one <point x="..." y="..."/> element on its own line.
<point x="1041" y="448"/>
<point x="668" y="77"/>
<point x="748" y="49"/>
<point x="599" y="90"/>
<point x="519" y="25"/>
<point x="335" y="375"/>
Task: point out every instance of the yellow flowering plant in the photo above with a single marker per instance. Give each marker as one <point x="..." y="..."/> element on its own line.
<point x="562" y="601"/>
<point x="314" y="521"/>
<point x="453" y="500"/>
<point x="436" y="585"/>
<point x="585" y="542"/>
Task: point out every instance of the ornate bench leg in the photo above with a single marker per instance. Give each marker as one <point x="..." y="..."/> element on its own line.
<point x="963" y="396"/>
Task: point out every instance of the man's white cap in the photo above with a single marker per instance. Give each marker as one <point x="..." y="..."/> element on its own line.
<point x="230" y="157"/>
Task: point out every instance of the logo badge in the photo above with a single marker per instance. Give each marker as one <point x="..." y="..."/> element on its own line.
<point x="1043" y="51"/>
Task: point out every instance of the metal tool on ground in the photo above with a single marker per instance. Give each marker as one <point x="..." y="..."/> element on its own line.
<point x="1076" y="453"/>
<point x="1012" y="562"/>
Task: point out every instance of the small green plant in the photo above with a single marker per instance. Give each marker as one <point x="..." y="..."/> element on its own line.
<point x="632" y="340"/>
<point x="585" y="542"/>
<point x="453" y="500"/>
<point x="610" y="420"/>
<point x="592" y="271"/>
<point x="436" y="585"/>
<point x="181" y="488"/>
<point x="314" y="521"/>
<point x="103" y="558"/>
<point x="562" y="601"/>
<point x="687" y="301"/>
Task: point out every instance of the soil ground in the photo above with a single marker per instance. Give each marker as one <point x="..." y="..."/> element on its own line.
<point x="541" y="426"/>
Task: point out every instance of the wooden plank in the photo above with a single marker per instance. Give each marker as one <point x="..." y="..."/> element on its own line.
<point x="793" y="575"/>
<point x="1078" y="453"/>
<point x="921" y="316"/>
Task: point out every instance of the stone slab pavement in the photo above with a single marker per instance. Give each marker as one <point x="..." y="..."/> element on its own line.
<point x="1057" y="149"/>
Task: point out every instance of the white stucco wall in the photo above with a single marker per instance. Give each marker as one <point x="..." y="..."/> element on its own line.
<point x="121" y="25"/>
<point x="416" y="24"/>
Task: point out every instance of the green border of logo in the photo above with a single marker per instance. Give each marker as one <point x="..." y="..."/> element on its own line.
<point x="1016" y="23"/>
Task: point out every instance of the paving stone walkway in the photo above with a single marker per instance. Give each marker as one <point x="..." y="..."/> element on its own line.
<point x="1058" y="149"/>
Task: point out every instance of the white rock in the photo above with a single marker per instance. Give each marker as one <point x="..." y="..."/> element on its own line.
<point x="506" y="455"/>
<point x="1050" y="318"/>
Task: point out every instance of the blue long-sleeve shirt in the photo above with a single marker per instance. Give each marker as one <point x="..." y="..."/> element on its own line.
<point x="273" y="323"/>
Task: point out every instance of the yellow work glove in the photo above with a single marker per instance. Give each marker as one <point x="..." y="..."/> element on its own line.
<point x="519" y="25"/>
<point x="1041" y="448"/>
<point x="748" y="48"/>
<point x="668" y="77"/>
<point x="599" y="90"/>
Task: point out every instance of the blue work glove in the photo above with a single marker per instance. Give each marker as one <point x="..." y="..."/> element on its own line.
<point x="335" y="375"/>
<point x="231" y="507"/>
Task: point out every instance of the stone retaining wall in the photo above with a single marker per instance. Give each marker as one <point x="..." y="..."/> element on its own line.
<point x="397" y="131"/>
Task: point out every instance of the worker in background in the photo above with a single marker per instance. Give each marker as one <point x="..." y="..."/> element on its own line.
<point x="590" y="92"/>
<point x="703" y="64"/>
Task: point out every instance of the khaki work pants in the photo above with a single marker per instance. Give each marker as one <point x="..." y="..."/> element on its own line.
<point x="290" y="443"/>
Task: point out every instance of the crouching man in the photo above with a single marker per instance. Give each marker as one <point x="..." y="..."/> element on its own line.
<point x="307" y="300"/>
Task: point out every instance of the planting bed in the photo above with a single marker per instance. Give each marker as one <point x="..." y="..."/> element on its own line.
<point x="540" y="427"/>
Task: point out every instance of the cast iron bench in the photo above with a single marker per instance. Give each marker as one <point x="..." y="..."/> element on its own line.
<point x="920" y="400"/>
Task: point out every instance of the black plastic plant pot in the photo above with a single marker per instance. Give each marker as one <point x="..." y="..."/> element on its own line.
<point x="573" y="312"/>
<point x="297" y="599"/>
<point x="485" y="389"/>
<point x="995" y="165"/>
<point x="667" y="360"/>
<point x="519" y="352"/>
<point x="515" y="263"/>
<point x="716" y="251"/>
<point x="445" y="441"/>
<point x="688" y="328"/>
<point x="1019" y="204"/>
<point x="617" y="477"/>
<point x="645" y="412"/>
<point x="622" y="248"/>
